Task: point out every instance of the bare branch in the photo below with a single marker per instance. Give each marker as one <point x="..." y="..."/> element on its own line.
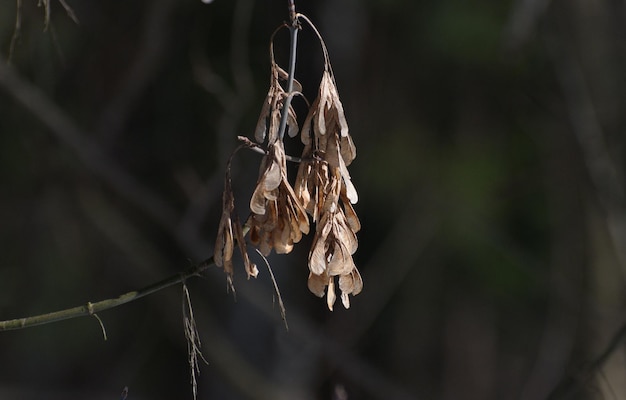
<point x="17" y="30"/>
<point x="573" y="383"/>
<point x="62" y="126"/>
<point x="91" y="309"/>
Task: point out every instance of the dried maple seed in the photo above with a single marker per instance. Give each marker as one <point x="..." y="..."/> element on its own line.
<point x="278" y="219"/>
<point x="228" y="232"/>
<point x="269" y="119"/>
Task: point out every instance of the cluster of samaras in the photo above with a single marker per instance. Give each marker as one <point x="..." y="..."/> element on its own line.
<point x="323" y="192"/>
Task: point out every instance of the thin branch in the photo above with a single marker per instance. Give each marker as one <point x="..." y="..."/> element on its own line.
<point x="258" y="149"/>
<point x="64" y="128"/>
<point x="46" y="5"/>
<point x="322" y="43"/>
<point x="141" y="72"/>
<point x="293" y="34"/>
<point x="17" y="30"/>
<point x="573" y="383"/>
<point x="604" y="171"/>
<point x="70" y="12"/>
<point x="91" y="309"/>
<point x="292" y="11"/>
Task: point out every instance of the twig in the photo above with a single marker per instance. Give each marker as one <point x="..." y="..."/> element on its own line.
<point x="64" y="128"/>
<point x="606" y="177"/>
<point x="70" y="12"/>
<point x="17" y="30"/>
<point x="258" y="149"/>
<point x="46" y="5"/>
<point x="90" y="309"/>
<point x="292" y="11"/>
<point x="293" y="34"/>
<point x="572" y="384"/>
<point x="141" y="72"/>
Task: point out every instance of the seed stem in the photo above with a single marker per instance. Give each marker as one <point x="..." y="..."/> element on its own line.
<point x="293" y="34"/>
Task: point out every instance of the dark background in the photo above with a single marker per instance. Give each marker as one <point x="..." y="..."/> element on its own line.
<point x="490" y="139"/>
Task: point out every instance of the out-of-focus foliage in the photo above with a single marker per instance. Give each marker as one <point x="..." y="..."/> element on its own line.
<point x="490" y="139"/>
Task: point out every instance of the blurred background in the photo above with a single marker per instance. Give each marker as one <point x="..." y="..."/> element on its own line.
<point x="490" y="173"/>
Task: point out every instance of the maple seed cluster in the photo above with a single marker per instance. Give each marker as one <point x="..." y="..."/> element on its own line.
<point x="323" y="190"/>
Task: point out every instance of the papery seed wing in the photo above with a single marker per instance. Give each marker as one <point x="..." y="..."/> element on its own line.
<point x="317" y="284"/>
<point x="261" y="125"/>
<point x="324" y="100"/>
<point x="280" y="73"/>
<point x="348" y="149"/>
<point x="334" y="94"/>
<point x="272" y="177"/>
<point x="332" y="191"/>
<point x="281" y="236"/>
<point x="351" y="218"/>
<point x="223" y="243"/>
<point x="341" y="262"/>
<point x="265" y="246"/>
<point x="271" y="220"/>
<point x="291" y="217"/>
<point x="299" y="212"/>
<point x="317" y="256"/>
<point x="229" y="245"/>
<point x="330" y="296"/>
<point x="297" y="86"/>
<point x="301" y="185"/>
<point x="229" y="269"/>
<point x="346" y="283"/>
<point x="319" y="183"/>
<point x="357" y="282"/>
<point x="303" y="222"/>
<point x="305" y="135"/>
<point x="251" y="269"/>
<point x="282" y="247"/>
<point x="351" y="192"/>
<point x="281" y="159"/>
<point x="272" y="195"/>
<point x="255" y="236"/>
<point x="274" y="123"/>
<point x="345" y="300"/>
<point x="344" y="234"/>
<point x="332" y="151"/>
<point x="321" y="142"/>
<point x="292" y="123"/>
<point x="283" y="75"/>
<point x="220" y="241"/>
<point x="258" y="200"/>
<point x="218" y="255"/>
